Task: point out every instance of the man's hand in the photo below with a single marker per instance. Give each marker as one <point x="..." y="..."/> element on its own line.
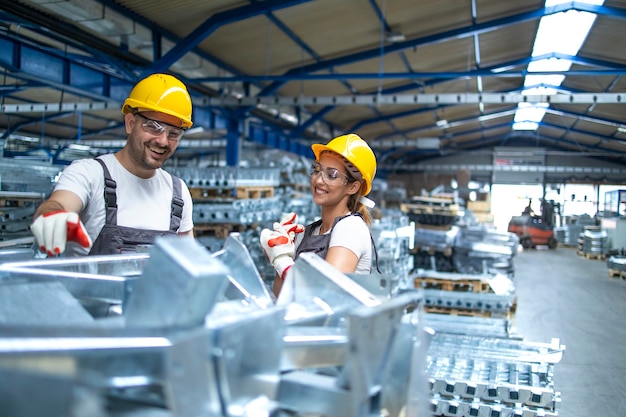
<point x="279" y="248"/>
<point x="53" y="230"/>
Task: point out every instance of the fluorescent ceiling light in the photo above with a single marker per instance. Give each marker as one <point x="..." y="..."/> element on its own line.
<point x="558" y="33"/>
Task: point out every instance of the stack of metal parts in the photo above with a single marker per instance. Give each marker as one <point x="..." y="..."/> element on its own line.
<point x="434" y="247"/>
<point x="594" y="242"/>
<point x="179" y="331"/>
<point x="568" y="233"/>
<point x="15" y="220"/>
<point x="227" y="177"/>
<point x="32" y="177"/>
<point x="491" y="296"/>
<point x="485" y="376"/>
<point x="394" y="238"/>
<point x="479" y="250"/>
<point x="240" y="211"/>
<point x="220" y="184"/>
<point x="617" y="266"/>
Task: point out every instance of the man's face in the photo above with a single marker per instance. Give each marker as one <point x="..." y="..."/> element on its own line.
<point x="152" y="138"/>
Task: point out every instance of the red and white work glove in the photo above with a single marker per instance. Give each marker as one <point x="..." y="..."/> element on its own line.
<point x="53" y="230"/>
<point x="278" y="244"/>
<point x="288" y="221"/>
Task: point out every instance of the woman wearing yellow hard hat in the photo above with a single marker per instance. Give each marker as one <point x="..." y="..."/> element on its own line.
<point x="341" y="177"/>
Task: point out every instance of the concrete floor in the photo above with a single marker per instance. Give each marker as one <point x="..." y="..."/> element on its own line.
<point x="566" y="296"/>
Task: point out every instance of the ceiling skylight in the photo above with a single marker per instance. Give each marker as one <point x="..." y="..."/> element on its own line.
<point x="558" y="33"/>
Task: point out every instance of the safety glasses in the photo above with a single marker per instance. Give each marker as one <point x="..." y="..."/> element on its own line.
<point x="157" y="128"/>
<point x="331" y="176"/>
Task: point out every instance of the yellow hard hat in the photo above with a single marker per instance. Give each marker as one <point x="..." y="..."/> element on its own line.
<point x="357" y="152"/>
<point x="161" y="93"/>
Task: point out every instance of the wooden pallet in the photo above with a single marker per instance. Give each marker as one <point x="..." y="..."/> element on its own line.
<point x="616" y="273"/>
<point x="599" y="256"/>
<point x="254" y="192"/>
<point x="457" y="311"/>
<point x="465" y="285"/>
<point x="198" y="193"/>
<point x="219" y="230"/>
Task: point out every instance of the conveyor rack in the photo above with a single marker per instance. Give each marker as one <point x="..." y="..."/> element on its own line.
<point x="485" y="302"/>
<point x="450" y="407"/>
<point x="465" y="325"/>
<point x="227" y="177"/>
<point x="241" y="211"/>
<point x="491" y="376"/>
<point x="526" y="384"/>
<point x="494" y="348"/>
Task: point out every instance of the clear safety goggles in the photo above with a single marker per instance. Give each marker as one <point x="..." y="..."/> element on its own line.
<point x="157" y="128"/>
<point x="331" y="176"/>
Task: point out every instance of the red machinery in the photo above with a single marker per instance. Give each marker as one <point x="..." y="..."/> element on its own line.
<point x="532" y="231"/>
<point x="535" y="230"/>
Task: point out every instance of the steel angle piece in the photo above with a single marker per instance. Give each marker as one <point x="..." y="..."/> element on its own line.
<point x="246" y="283"/>
<point x="40" y="303"/>
<point x="246" y="354"/>
<point x="56" y="395"/>
<point x="379" y="341"/>
<point x="179" y="285"/>
<point x="98" y="282"/>
<point x="313" y="347"/>
<point x="314" y="291"/>
<point x="138" y="365"/>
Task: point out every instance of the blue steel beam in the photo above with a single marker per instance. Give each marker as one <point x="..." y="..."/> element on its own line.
<point x="443" y="36"/>
<point x="213" y="23"/>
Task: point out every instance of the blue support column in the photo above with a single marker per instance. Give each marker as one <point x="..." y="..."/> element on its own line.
<point x="232" y="143"/>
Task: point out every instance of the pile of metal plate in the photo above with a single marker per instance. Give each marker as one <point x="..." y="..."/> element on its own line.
<point x="568" y="234"/>
<point x="239" y="211"/>
<point x="594" y="243"/>
<point x="479" y="250"/>
<point x="438" y="210"/>
<point x="617" y="266"/>
<point x="491" y="376"/>
<point x="394" y="238"/>
<point x="32" y="177"/>
<point x="226" y="177"/>
<point x="180" y="331"/>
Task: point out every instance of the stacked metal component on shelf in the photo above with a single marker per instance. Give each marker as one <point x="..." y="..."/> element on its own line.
<point x="32" y="177"/>
<point x="568" y="233"/>
<point x="483" y="376"/>
<point x="479" y="250"/>
<point x="230" y="195"/>
<point x="180" y="331"/>
<point x="240" y="211"/>
<point x="394" y="238"/>
<point x="594" y="242"/>
<point x="617" y="266"/>
<point x="23" y="188"/>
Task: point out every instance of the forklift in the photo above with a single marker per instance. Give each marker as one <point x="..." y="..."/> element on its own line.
<point x="534" y="230"/>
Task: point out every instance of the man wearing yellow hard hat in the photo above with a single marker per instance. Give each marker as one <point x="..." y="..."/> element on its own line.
<point x="116" y="202"/>
<point x="341" y="177"/>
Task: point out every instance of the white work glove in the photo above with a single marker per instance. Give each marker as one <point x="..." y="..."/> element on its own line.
<point x="279" y="248"/>
<point x="288" y="221"/>
<point x="53" y="230"/>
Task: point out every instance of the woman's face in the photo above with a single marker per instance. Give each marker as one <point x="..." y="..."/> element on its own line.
<point x="330" y="182"/>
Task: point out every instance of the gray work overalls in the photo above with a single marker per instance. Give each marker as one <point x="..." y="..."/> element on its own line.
<point x="318" y="244"/>
<point x="114" y="239"/>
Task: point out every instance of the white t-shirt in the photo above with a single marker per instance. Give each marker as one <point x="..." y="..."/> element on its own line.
<point x="351" y="233"/>
<point x="141" y="203"/>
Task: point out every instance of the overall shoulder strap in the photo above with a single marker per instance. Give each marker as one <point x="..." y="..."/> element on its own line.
<point x="177" y="204"/>
<point x="338" y="219"/>
<point x="110" y="196"/>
